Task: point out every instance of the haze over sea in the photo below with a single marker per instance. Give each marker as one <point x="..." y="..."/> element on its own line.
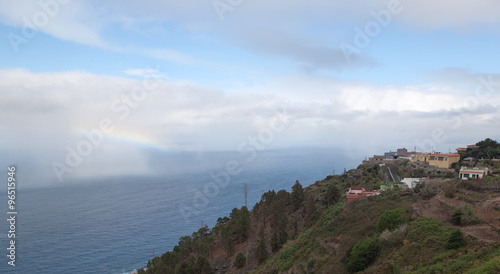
<point x="112" y="225"/>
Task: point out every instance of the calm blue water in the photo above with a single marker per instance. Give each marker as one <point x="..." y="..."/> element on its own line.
<point x="112" y="225"/>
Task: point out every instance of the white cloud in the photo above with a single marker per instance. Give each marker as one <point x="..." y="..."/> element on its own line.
<point x="322" y="23"/>
<point x="457" y="15"/>
<point x="43" y="113"/>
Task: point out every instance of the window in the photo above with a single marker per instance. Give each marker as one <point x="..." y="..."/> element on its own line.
<point x="440" y="158"/>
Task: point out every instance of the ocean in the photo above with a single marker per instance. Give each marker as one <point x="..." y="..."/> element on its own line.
<point x="114" y="224"/>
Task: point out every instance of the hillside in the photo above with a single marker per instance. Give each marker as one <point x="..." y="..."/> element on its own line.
<point x="442" y="225"/>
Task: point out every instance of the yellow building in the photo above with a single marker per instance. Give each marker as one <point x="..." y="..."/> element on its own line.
<point x="443" y="160"/>
<point x="420" y="157"/>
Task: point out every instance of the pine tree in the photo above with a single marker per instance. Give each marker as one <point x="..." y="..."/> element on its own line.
<point x="332" y="195"/>
<point x="311" y="213"/>
<point x="297" y="195"/>
<point x="261" y="248"/>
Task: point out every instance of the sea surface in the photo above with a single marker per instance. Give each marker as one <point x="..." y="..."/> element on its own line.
<point x="114" y="224"/>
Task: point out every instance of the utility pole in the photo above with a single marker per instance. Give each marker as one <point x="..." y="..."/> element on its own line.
<point x="245" y="189"/>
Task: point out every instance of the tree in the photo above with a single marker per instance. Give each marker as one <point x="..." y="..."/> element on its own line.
<point x="297" y="195"/>
<point x="240" y="260"/>
<point x="275" y="243"/>
<point x="222" y="221"/>
<point x="261" y="252"/>
<point x="203" y="266"/>
<point x="227" y="239"/>
<point x="456" y="240"/>
<point x="240" y="222"/>
<point x="390" y="219"/>
<point x="363" y="254"/>
<point x="332" y="195"/>
<point x="311" y="213"/>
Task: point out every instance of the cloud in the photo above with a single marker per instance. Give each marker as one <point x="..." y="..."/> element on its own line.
<point x="170" y="56"/>
<point x="305" y="52"/>
<point x="308" y="34"/>
<point x="145" y="73"/>
<point x="87" y="22"/>
<point x="179" y="116"/>
<point x="456" y="15"/>
<point x="67" y="21"/>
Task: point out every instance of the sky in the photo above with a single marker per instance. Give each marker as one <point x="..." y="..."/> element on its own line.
<point x="91" y="87"/>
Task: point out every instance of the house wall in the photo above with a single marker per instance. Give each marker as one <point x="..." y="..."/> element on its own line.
<point x="442" y="161"/>
<point x="474" y="173"/>
<point x="420" y="158"/>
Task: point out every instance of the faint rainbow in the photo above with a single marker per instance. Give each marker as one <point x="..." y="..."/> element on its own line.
<point x="131" y="137"/>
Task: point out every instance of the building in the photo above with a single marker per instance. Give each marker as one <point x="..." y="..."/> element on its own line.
<point x="390" y="155"/>
<point x="443" y="160"/>
<point x="401" y="151"/>
<point x="373" y="160"/>
<point x="355" y="193"/>
<point x="420" y="157"/>
<point x="461" y="149"/>
<point x="408" y="155"/>
<point x="411" y="182"/>
<point x="472" y="173"/>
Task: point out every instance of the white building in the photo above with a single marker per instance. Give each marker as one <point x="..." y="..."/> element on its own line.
<point x="472" y="173"/>
<point x="411" y="182"/>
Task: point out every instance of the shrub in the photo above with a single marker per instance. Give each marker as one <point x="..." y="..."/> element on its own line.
<point x="426" y="231"/>
<point x="394" y="238"/>
<point x="464" y="216"/>
<point x="456" y="240"/>
<point x="492" y="266"/>
<point x="450" y="191"/>
<point x="240" y="260"/>
<point x="390" y="219"/>
<point x="363" y="254"/>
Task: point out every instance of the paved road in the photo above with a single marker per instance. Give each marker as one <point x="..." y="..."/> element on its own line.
<point x="394" y="175"/>
<point x="389" y="174"/>
<point x="385" y="174"/>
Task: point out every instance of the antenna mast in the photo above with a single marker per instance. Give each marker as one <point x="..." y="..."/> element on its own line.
<point x="245" y="189"/>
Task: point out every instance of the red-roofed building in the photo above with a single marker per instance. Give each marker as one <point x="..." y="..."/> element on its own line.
<point x="355" y="193"/>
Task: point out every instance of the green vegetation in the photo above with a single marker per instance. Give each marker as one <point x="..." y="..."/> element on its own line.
<point x="240" y="260"/>
<point x="487" y="149"/>
<point x="297" y="195"/>
<point x="363" y="254"/>
<point x="261" y="252"/>
<point x="492" y="266"/>
<point x="391" y="219"/>
<point x="464" y="216"/>
<point x="455" y="240"/>
<point x="314" y="230"/>
<point x="332" y="195"/>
